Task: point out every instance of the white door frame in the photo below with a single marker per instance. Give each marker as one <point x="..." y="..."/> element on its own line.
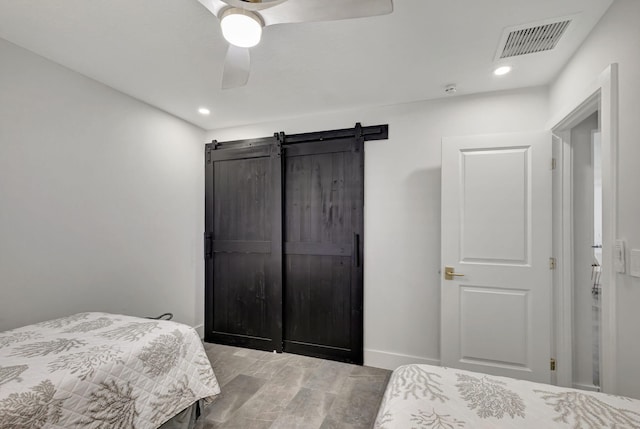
<point x="601" y="96"/>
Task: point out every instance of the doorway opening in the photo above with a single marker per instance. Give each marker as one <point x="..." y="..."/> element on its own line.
<point x="584" y="230"/>
<point x="586" y="249"/>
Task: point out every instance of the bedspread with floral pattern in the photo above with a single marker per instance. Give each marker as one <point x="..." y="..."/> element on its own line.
<point x="430" y="397"/>
<point x="99" y="370"/>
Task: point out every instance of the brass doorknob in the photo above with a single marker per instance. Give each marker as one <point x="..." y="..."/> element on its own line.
<point x="450" y="273"/>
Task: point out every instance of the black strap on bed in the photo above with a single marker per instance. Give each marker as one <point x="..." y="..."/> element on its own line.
<point x="164" y="316"/>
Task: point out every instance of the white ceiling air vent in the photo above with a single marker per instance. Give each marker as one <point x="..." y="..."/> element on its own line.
<point x="531" y="38"/>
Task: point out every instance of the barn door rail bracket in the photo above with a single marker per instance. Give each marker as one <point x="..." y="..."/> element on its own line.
<point x="208" y="149"/>
<point x="279" y="137"/>
<point x="360" y="133"/>
<point x="375" y="132"/>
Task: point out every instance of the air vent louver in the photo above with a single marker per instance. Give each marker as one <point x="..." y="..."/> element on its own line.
<point x="533" y="39"/>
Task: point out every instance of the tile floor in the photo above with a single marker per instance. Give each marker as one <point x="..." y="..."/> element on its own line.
<point x="286" y="391"/>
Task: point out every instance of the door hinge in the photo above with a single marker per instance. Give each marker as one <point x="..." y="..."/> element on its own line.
<point x="554" y="163"/>
<point x="552" y="364"/>
<point x="552" y="263"/>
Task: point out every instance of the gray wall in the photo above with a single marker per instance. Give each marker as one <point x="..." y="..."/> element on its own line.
<point x="101" y="199"/>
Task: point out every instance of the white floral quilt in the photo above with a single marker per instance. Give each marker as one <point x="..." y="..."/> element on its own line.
<point x="99" y="370"/>
<point x="430" y="397"/>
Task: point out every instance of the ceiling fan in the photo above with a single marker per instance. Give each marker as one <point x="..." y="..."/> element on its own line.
<point x="242" y="22"/>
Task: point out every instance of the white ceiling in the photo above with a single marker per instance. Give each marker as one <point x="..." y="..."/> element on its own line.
<point x="169" y="53"/>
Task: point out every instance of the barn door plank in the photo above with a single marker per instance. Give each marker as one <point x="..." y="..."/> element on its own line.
<point x="323" y="206"/>
<point x="243" y="206"/>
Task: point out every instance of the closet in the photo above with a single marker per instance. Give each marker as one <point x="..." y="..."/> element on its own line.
<point x="284" y="241"/>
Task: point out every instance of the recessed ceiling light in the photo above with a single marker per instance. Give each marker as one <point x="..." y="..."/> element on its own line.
<point x="204" y="111"/>
<point x="502" y="70"/>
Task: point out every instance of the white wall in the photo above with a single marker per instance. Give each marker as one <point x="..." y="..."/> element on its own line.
<point x="101" y="199"/>
<point x="402" y="207"/>
<point x="615" y="40"/>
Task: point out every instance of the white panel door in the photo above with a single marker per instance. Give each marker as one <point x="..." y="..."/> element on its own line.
<point x="496" y="232"/>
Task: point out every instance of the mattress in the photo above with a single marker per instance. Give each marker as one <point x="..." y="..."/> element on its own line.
<point x="423" y="396"/>
<point x="99" y="370"/>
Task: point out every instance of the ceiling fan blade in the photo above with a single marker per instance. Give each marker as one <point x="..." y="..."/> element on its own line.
<point x="324" y="10"/>
<point x="254" y="5"/>
<point x="214" y="6"/>
<point x="236" y="67"/>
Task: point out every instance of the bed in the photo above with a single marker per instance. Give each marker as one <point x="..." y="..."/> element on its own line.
<point x="424" y="396"/>
<point x="99" y="370"/>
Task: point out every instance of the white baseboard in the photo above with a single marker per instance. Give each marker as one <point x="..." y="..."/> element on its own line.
<point x="200" y="330"/>
<point x="389" y="360"/>
<point x="585" y="386"/>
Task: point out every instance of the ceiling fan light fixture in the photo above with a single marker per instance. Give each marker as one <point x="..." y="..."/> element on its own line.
<point x="241" y="27"/>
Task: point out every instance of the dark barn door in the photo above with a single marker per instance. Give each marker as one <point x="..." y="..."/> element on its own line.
<point x="244" y="247"/>
<point x="284" y="242"/>
<point x="323" y="222"/>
